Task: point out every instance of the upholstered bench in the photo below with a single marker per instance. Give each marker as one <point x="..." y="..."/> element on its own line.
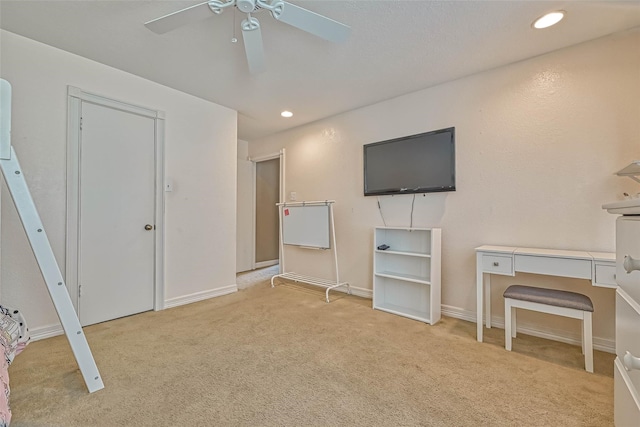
<point x="552" y="301"/>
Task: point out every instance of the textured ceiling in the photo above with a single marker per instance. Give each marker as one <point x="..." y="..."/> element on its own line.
<point x="396" y="47"/>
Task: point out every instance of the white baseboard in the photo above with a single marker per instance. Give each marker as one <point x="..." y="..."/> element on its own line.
<point x="458" y="313"/>
<point x="48" y="331"/>
<point x="359" y="292"/>
<point x="601" y="344"/>
<point x="200" y="296"/>
<point x="262" y="264"/>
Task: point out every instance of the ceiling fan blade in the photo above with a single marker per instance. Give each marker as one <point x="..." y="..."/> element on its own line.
<point x="177" y="19"/>
<point x="252" y="36"/>
<point x="313" y="23"/>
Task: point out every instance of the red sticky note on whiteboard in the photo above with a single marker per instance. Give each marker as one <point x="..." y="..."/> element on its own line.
<point x="286" y="212"/>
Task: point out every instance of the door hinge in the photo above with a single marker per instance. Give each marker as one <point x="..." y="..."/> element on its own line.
<point x="80" y="123"/>
<point x="79" y="290"/>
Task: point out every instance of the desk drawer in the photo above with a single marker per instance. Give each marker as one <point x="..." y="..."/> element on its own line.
<point x="628" y="333"/>
<point x="605" y="275"/>
<point x="628" y="244"/>
<point x="497" y="264"/>
<point x="553" y="266"/>
<point x="626" y="403"/>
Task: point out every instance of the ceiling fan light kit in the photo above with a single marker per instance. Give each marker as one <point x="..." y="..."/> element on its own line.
<point x="290" y="14"/>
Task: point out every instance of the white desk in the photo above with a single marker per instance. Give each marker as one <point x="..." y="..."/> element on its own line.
<point x="598" y="267"/>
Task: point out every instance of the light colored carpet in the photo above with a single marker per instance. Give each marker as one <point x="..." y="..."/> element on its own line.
<point x="284" y="357"/>
<point x="249" y="278"/>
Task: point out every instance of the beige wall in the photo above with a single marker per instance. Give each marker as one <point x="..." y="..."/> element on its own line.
<point x="537" y="143"/>
<point x="200" y="140"/>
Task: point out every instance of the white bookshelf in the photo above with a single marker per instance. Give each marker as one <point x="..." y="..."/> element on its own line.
<point x="406" y="277"/>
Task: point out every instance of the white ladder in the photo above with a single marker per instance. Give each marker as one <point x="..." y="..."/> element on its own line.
<point x="41" y="247"/>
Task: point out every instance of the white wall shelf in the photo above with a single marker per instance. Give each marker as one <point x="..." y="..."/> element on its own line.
<point x="406" y="277"/>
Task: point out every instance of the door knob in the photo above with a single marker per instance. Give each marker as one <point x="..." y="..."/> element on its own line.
<point x="630" y="264"/>
<point x="148" y="227"/>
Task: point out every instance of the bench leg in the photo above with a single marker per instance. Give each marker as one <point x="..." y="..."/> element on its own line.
<point x="513" y="322"/>
<point x="508" y="324"/>
<point x="588" y="342"/>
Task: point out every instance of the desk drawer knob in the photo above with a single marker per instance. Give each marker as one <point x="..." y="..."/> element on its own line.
<point x="496" y="263"/>
<point x="630" y="264"/>
<point x="630" y="361"/>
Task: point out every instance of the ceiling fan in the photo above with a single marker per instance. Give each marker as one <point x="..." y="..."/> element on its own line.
<point x="283" y="11"/>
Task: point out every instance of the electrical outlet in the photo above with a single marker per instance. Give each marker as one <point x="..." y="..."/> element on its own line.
<point x="293" y="196"/>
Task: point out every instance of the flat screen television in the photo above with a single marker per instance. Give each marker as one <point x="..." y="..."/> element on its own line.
<point x="422" y="163"/>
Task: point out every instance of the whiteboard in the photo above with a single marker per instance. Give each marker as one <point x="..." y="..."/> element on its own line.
<point x="306" y="226"/>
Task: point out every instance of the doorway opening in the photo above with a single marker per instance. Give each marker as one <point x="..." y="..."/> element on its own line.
<point x="266" y="220"/>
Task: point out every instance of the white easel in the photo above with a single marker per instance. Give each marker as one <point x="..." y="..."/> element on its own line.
<point x="41" y="247"/>
<point x="329" y="284"/>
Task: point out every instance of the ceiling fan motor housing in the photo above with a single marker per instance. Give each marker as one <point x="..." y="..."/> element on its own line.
<point x="246" y="6"/>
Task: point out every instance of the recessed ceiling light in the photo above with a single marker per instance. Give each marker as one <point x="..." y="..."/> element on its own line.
<point x="549" y="19"/>
<point x="286" y="114"/>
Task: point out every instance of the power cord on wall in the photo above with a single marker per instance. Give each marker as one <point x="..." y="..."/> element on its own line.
<point x="381" y="216"/>
<point x="412" y="203"/>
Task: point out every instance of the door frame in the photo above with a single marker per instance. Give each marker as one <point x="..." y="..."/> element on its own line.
<point x="75" y="97"/>
<point x="281" y="196"/>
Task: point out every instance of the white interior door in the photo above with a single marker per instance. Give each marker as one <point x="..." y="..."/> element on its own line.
<point x="116" y="214"/>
